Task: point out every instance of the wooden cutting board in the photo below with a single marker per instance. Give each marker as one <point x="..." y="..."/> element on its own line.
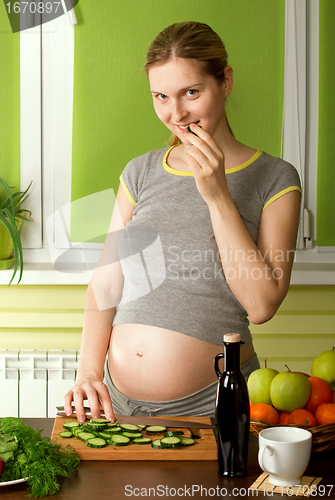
<point x="204" y="449"/>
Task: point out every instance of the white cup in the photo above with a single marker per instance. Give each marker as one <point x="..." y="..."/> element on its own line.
<point x="284" y="454"/>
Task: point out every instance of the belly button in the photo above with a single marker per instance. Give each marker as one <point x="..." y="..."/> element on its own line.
<point x="139" y="354"/>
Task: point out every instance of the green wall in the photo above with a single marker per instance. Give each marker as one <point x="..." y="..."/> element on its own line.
<point x="325" y="220"/>
<point x="113" y="116"/>
<point x="114" y="121"/>
<point x="9" y="102"/>
<point x="51" y="317"/>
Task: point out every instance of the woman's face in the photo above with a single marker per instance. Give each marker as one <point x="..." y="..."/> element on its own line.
<point x="183" y="95"/>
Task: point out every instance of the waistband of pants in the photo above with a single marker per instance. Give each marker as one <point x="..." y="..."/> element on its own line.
<point x="200" y="403"/>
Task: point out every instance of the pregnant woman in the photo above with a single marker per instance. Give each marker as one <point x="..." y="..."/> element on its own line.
<point x="202" y="238"/>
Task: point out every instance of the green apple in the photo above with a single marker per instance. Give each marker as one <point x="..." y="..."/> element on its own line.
<point x="290" y="391"/>
<point x="259" y="382"/>
<point x="323" y="366"/>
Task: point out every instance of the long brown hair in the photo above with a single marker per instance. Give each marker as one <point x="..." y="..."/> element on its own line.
<point x="190" y="40"/>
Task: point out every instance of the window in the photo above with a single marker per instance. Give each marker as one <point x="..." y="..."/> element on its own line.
<point x="47" y="83"/>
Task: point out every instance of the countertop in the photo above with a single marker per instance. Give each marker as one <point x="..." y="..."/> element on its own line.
<point x="105" y="480"/>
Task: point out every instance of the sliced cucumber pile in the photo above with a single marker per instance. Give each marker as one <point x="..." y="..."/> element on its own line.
<point x="99" y="433"/>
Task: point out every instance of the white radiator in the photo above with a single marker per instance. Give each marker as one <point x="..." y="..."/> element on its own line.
<point x="34" y="382"/>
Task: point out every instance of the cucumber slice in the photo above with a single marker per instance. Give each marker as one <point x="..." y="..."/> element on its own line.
<point x="129" y="427"/>
<point x="66" y="434"/>
<point x="119" y="440"/>
<point x="171" y="442"/>
<point x="132" y="435"/>
<point x="141" y="427"/>
<point x="113" y="430"/>
<point x="157" y="444"/>
<point x="96" y="443"/>
<point x="191" y="131"/>
<point x="104" y="435"/>
<point x="71" y="424"/>
<point x="155" y="429"/>
<point x="142" y="440"/>
<point x="173" y="433"/>
<point x="185" y="441"/>
<point x="84" y="436"/>
<point x="76" y="430"/>
<point x="95" y="426"/>
<point x="100" y="421"/>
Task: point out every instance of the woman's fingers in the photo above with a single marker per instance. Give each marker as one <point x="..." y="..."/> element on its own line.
<point x="78" y="399"/>
<point x="204" y="141"/>
<point x="206" y="160"/>
<point x="68" y="403"/>
<point x="98" y="399"/>
<point x="105" y="403"/>
<point x="205" y="151"/>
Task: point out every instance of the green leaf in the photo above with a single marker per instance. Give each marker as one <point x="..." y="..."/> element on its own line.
<point x="10" y="210"/>
<point x="2" y="181"/>
<point x="7" y="219"/>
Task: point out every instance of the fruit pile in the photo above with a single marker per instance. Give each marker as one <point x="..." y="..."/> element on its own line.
<point x="295" y="397"/>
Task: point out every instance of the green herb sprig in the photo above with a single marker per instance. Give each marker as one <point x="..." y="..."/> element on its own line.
<point x="37" y="458"/>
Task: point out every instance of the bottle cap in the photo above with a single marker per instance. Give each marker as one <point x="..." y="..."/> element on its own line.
<point x="231" y="337"/>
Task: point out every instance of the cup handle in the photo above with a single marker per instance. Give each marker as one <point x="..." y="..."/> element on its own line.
<point x="260" y="459"/>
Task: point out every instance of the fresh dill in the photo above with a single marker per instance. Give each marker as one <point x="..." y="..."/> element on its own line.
<point x="26" y="454"/>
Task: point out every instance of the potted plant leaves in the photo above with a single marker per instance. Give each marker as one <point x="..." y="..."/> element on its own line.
<point x="11" y="216"/>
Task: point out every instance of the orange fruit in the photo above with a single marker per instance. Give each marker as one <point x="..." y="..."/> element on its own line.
<point x="302" y="417"/>
<point x="320" y="393"/>
<point x="263" y="411"/>
<point x="325" y="414"/>
<point x="283" y="418"/>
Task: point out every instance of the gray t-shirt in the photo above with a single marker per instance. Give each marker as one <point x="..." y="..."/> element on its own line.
<point x="171" y="264"/>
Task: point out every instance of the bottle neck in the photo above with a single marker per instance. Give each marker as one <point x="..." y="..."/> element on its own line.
<point x="232" y="357"/>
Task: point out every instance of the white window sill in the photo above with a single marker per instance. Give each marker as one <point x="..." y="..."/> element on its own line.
<point x="42" y="266"/>
<point x="44" y="273"/>
<point x="310" y="273"/>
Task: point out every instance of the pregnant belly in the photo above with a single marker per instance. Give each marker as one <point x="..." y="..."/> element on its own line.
<point x="155" y="364"/>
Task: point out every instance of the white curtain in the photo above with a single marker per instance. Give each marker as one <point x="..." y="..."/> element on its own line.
<point x="294" y="112"/>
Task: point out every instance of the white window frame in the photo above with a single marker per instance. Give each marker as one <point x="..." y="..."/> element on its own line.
<point x="47" y="71"/>
<point x="46" y="98"/>
<point x="30" y="132"/>
<point x="314" y="265"/>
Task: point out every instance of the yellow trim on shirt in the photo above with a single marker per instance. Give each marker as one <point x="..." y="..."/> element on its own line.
<point x="173" y="170"/>
<point x="190" y="174"/>
<point x="245" y="164"/>
<point x="281" y="193"/>
<point x="129" y="196"/>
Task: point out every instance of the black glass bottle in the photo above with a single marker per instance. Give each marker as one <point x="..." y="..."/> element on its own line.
<point x="232" y="412"/>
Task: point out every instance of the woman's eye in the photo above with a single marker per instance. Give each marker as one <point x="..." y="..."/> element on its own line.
<point x="161" y="96"/>
<point x="191" y="92"/>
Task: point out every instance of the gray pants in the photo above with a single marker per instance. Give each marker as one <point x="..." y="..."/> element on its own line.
<point x="200" y="403"/>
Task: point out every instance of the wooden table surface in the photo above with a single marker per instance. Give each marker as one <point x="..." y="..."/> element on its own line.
<point x="105" y="480"/>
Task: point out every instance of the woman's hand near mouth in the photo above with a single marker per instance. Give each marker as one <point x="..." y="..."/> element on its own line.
<point x="207" y="162"/>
